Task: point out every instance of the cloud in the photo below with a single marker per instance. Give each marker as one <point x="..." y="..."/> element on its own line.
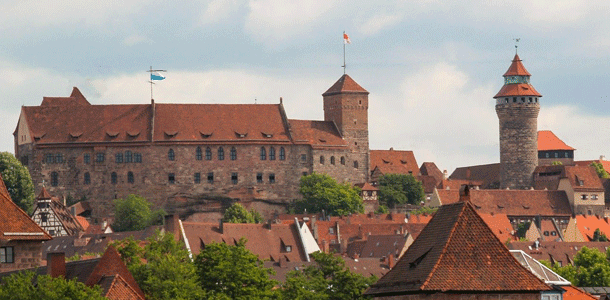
<point x="378" y="22"/>
<point x="136" y="39"/>
<point x="219" y="10"/>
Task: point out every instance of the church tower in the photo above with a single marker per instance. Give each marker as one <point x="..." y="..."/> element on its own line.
<point x="517" y="107"/>
<point x="346" y="103"/>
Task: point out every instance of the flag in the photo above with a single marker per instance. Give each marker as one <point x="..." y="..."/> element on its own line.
<point x="346" y="39"/>
<point x="156" y="76"/>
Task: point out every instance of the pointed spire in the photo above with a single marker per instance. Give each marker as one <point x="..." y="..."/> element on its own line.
<point x="345" y="84"/>
<point x="516" y="68"/>
<point x="44" y="194"/>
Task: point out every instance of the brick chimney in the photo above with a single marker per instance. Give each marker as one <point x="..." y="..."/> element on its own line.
<point x="172" y="225"/>
<point x="56" y="264"/>
<point x="391" y="262"/>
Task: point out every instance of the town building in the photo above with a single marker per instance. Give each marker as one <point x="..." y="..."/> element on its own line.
<point x="54" y="217"/>
<point x="181" y="155"/>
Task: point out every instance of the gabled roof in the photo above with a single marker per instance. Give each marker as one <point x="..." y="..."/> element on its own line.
<point x="430" y="169"/>
<point x="345" y="84"/>
<point x="547" y="140"/>
<point x="457" y="252"/>
<point x="555" y="252"/>
<point x="16" y="224"/>
<point x="109" y="265"/>
<point x="383" y="245"/>
<point x="366" y="186"/>
<point x="394" y="161"/>
<point x="588" y="224"/>
<point x="516" y="68"/>
<point x="319" y="134"/>
<point x="521" y="202"/>
<point x="500" y="225"/>
<point x="605" y="163"/>
<point x="489" y="174"/>
<point x="585" y="175"/>
<point x="68" y="221"/>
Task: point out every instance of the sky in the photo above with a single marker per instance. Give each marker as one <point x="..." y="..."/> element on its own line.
<point x="431" y="67"/>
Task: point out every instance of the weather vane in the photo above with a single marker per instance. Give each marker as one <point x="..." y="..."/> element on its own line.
<point x="516" y="44"/>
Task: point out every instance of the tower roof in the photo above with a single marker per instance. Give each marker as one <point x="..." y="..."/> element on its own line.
<point x="457" y="252"/>
<point x="547" y="140"/>
<point x="44" y="194"/>
<point x="345" y="84"/>
<point x="517" y="68"/>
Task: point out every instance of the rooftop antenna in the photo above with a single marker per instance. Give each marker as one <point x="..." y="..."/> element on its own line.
<point x="154" y="75"/>
<point x="516" y="44"/>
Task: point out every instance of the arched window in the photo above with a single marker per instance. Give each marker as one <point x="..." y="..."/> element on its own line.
<point x="128" y="156"/>
<point x="87" y="179"/>
<point x="233" y="153"/>
<point x="130" y="178"/>
<point x="113" y="178"/>
<point x="343" y="160"/>
<point x="271" y="153"/>
<point x="171" y="155"/>
<point x="221" y="153"/>
<point x="356" y="164"/>
<point x="198" y="154"/>
<point x="282" y="153"/>
<point x="332" y="160"/>
<point x="321" y="159"/>
<point x="263" y="153"/>
<point x="208" y="153"/>
<point x="54" y="179"/>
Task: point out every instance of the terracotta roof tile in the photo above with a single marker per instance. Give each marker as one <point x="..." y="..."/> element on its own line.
<point x="457" y="252"/>
<point x="343" y="85"/>
<point x="547" y="140"/>
<point x="16" y="224"/>
<point x="500" y="225"/>
<point x="383" y="245"/>
<point x="588" y="224"/>
<point x="316" y="133"/>
<point x="516" y="68"/>
<point x="605" y="163"/>
<point x="517" y="89"/>
<point x="553" y="251"/>
<point x="574" y="293"/>
<point x="521" y="202"/>
<point x="111" y="264"/>
<point x="394" y="162"/>
<point x="489" y="174"/>
<point x="585" y="175"/>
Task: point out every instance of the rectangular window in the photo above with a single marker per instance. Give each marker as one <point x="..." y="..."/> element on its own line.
<point x="197" y="178"/>
<point x="593" y="197"/>
<point x="118" y="158"/>
<point x="7" y="255"/>
<point x="259" y="177"/>
<point x="59" y="158"/>
<point x="87" y="158"/>
<point x="128" y="156"/>
<point x="171" y="178"/>
<point x="211" y="177"/>
<point x="303" y="157"/>
<point x="49" y="158"/>
<point x="583" y="197"/>
<point x="99" y="157"/>
<point x="137" y="157"/>
<point x="44" y="217"/>
<point x="234" y="178"/>
<point x="272" y="178"/>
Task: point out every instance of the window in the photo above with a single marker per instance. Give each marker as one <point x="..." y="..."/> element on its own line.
<point x="259" y="177"/>
<point x="332" y="160"/>
<point x="583" y="197"/>
<point x="556" y="155"/>
<point x="87" y="179"/>
<point x="99" y="157"/>
<point x="128" y="156"/>
<point x="171" y="155"/>
<point x="272" y="178"/>
<point x="113" y="178"/>
<point x="234" y="178"/>
<point x="331" y="230"/>
<point x="547" y="155"/>
<point x="59" y="158"/>
<point x="546" y="233"/>
<point x="581" y="182"/>
<point x="171" y="178"/>
<point x="43" y="204"/>
<point x="514" y="99"/>
<point x="282" y="153"/>
<point x="304" y="173"/>
<point x="54" y="179"/>
<point x="137" y="157"/>
<point x="211" y="177"/>
<point x="565" y="155"/>
<point x="49" y="158"/>
<point x="553" y="233"/>
<point x="130" y="178"/>
<point x="263" y="153"/>
<point x="343" y="160"/>
<point x="87" y="158"/>
<point x="221" y="153"/>
<point x="7" y="255"/>
<point x="233" y="153"/>
<point x="198" y="154"/>
<point x="594" y="197"/>
<point x="321" y="159"/>
<point x="356" y="164"/>
<point x="208" y="153"/>
<point x="271" y="153"/>
<point x="44" y="217"/>
<point x="118" y="158"/>
<point x="197" y="178"/>
<point x="303" y="157"/>
<point x="288" y="248"/>
<point x="24" y="160"/>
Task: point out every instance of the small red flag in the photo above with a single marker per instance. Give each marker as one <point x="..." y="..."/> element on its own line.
<point x="346" y="39"/>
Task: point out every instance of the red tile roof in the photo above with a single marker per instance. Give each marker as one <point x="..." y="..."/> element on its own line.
<point x="521" y="202"/>
<point x="489" y="174"/>
<point x="585" y="175"/>
<point x="343" y="85"/>
<point x="109" y="265"/>
<point x="604" y="163"/>
<point x="517" y="89"/>
<point x="430" y="169"/>
<point x="552" y="251"/>
<point x="516" y="68"/>
<point x="394" y="161"/>
<point x="574" y="293"/>
<point x="547" y="140"/>
<point x="67" y="220"/>
<point x="500" y="226"/>
<point x="319" y="134"/>
<point x="457" y="253"/>
<point x="16" y="224"/>
<point x="588" y="224"/>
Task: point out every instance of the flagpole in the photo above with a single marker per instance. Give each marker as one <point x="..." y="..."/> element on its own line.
<point x="343" y="52"/>
<point x="151" y="86"/>
<point x="151" y="80"/>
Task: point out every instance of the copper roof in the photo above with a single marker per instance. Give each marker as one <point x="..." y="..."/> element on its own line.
<point x="457" y="252"/>
<point x="516" y="68"/>
<point x="547" y="140"/>
<point x="394" y="161"/>
<point x="343" y="85"/>
<point x="16" y="224"/>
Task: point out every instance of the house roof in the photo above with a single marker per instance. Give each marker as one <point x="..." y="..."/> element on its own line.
<point x="489" y="174"/>
<point x="16" y="224"/>
<point x="500" y="225"/>
<point x="430" y="169"/>
<point x="266" y="242"/>
<point x="394" y="161"/>
<point x="362" y="266"/>
<point x="383" y="245"/>
<point x="67" y="220"/>
<point x="111" y="264"/>
<point x="366" y="186"/>
<point x="585" y="175"/>
<point x="457" y="252"/>
<point x="538" y="269"/>
<point x="547" y="140"/>
<point x="554" y="252"/>
<point x="547" y="226"/>
<point x="316" y="133"/>
<point x="345" y="84"/>
<point x="588" y="224"/>
<point x="605" y="163"/>
<point x="517" y="89"/>
<point x="574" y="293"/>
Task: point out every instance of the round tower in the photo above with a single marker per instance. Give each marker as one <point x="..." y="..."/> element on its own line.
<point x="517" y="106"/>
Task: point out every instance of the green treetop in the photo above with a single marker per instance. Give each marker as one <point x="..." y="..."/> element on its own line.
<point x="396" y="189"/>
<point x="18" y="181"/>
<point x="322" y="192"/>
<point x="134" y="213"/>
<point x="236" y="213"/>
<point x="599" y="168"/>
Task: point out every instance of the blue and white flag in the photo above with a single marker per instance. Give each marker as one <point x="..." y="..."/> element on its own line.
<point x="156" y="76"/>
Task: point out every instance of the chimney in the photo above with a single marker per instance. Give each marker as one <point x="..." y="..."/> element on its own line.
<point x="220" y="225"/>
<point x="56" y="264"/>
<point x="391" y="261"/>
<point x="464" y="193"/>
<point x="172" y="225"/>
<point x="283" y="262"/>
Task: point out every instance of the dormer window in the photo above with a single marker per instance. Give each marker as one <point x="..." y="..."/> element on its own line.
<point x="288" y="248"/>
<point x="267" y="135"/>
<point x="581" y="182"/>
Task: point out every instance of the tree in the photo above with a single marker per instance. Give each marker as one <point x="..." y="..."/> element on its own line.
<point x="233" y="272"/>
<point x="591" y="268"/>
<point x="18" y="181"/>
<point x="134" y="213"/>
<point x="599" y="168"/>
<point x="20" y="286"/>
<point x="236" y="213"/>
<point x="556" y="163"/>
<point x="322" y="192"/>
<point x="395" y="189"/>
<point x="168" y="272"/>
<point x="599" y="236"/>
<point x="328" y="279"/>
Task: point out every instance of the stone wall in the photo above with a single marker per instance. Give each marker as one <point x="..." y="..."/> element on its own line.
<point x="27" y="254"/>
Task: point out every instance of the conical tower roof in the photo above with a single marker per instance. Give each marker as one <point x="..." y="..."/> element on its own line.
<point x="458" y="253"/>
<point x="521" y="87"/>
<point x="343" y="85"/>
<point x="516" y="68"/>
<point x="44" y="194"/>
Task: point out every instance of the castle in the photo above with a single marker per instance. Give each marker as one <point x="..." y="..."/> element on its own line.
<point x="180" y="155"/>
